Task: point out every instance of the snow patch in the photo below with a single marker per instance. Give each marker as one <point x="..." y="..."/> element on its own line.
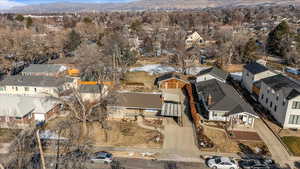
<point x="237" y="76"/>
<point x="154" y="69"/>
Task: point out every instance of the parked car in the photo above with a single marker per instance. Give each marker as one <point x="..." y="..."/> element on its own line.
<point x="247" y="164"/>
<point x="76" y="154"/>
<point x="101" y="157"/>
<point x="218" y="162"/>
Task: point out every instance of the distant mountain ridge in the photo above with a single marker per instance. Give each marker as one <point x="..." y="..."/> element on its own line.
<point x="143" y="5"/>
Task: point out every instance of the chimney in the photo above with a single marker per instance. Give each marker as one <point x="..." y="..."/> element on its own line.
<point x="209" y="100"/>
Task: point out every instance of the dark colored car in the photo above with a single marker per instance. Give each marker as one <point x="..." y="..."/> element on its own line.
<point x="76" y="154"/>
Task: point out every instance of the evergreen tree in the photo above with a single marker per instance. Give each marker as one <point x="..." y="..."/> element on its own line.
<point x="20" y="18"/>
<point x="250" y="49"/>
<point x="87" y="20"/>
<point x="73" y="41"/>
<point x="29" y="22"/>
<point x="277" y="40"/>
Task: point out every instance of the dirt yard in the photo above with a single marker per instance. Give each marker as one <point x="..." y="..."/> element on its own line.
<point x="125" y="135"/>
<point x="7" y="135"/>
<point x="140" y="77"/>
<point x="122" y="134"/>
<point x="224" y="144"/>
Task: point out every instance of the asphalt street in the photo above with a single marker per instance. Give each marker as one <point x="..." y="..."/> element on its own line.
<point x="131" y="163"/>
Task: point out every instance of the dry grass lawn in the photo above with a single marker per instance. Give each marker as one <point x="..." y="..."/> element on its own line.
<point x="224" y="144"/>
<point x="293" y="143"/>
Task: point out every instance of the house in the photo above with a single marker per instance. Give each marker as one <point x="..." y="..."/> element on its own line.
<point x="223" y="103"/>
<point x="23" y="110"/>
<point x="280" y="95"/>
<point x="212" y="73"/>
<point x="170" y="81"/>
<point x="44" y="70"/>
<point x="35" y="85"/>
<point x="252" y="74"/>
<point x="92" y="92"/>
<point x="133" y="104"/>
<point x="193" y="39"/>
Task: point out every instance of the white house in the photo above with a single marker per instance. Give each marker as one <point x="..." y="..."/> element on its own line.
<point x="223" y="103"/>
<point x="280" y="95"/>
<point x="22" y="110"/>
<point x="254" y="72"/>
<point x="212" y="73"/>
<point x="35" y="85"/>
<point x="193" y="39"/>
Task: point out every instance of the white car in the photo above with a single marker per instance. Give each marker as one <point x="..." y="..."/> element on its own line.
<point x="102" y="157"/>
<point x="222" y="163"/>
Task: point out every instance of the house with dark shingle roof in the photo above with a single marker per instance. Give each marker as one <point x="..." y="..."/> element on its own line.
<point x="43" y="70"/>
<point x="252" y="74"/>
<point x="280" y="95"/>
<point x="212" y="73"/>
<point x="223" y="103"/>
<point x="133" y="104"/>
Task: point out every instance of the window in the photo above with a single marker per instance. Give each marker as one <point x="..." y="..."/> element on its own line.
<point x="296" y="105"/>
<point x="271" y="104"/>
<point x="247" y="73"/>
<point x="26" y="89"/>
<point x="283" y="103"/>
<point x="275" y="108"/>
<point x="34" y="89"/>
<point x="294" y="119"/>
<point x="16" y="88"/>
<point x="268" y="91"/>
<point x="262" y="96"/>
<point x="267" y="100"/>
<point x="2" y="88"/>
<point x="277" y="97"/>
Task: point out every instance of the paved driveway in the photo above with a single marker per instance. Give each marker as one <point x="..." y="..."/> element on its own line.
<point x="179" y="140"/>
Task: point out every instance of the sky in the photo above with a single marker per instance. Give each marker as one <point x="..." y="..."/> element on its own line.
<point x="6" y="4"/>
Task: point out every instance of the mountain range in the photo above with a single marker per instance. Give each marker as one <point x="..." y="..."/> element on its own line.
<point x="144" y="5"/>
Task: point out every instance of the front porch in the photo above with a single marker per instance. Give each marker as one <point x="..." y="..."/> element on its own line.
<point x="241" y="121"/>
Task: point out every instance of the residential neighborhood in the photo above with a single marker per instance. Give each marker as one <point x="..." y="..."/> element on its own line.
<point x="162" y="88"/>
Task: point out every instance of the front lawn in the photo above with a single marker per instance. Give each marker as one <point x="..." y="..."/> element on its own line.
<point x="293" y="144"/>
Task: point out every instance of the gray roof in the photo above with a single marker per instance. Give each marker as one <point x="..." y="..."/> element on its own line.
<point x="19" y="106"/>
<point x="90" y="88"/>
<point x="170" y="109"/>
<point x="37" y="81"/>
<point x="44" y="68"/>
<point x="290" y="88"/>
<point x="255" y="68"/>
<point x="214" y="71"/>
<point x="224" y="97"/>
<point x="139" y="100"/>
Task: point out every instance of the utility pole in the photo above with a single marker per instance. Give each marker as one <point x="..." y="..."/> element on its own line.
<point x="40" y="148"/>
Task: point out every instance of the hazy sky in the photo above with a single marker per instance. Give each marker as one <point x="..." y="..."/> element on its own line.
<point x="5" y="4"/>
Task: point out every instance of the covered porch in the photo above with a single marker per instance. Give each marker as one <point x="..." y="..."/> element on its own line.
<point x="241" y="121"/>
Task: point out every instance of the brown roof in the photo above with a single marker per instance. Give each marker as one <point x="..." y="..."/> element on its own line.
<point x="139" y="100"/>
